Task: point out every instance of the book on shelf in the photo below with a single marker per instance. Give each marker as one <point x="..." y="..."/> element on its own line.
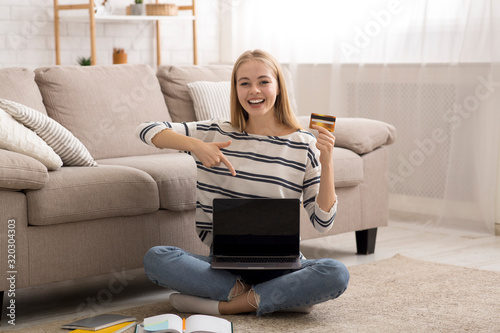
<point x="171" y="323"/>
<point x="101" y="323"/>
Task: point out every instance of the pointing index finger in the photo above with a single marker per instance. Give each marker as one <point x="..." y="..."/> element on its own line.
<point x="228" y="165"/>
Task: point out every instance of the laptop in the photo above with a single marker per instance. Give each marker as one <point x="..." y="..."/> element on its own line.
<point x="256" y="234"/>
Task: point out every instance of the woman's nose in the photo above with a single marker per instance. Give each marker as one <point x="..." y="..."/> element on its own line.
<point x="254" y="89"/>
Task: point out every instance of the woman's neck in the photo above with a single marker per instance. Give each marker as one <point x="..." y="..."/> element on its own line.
<point x="268" y="126"/>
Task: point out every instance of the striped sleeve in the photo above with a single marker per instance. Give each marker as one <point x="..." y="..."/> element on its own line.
<point x="147" y="131"/>
<point x="321" y="220"/>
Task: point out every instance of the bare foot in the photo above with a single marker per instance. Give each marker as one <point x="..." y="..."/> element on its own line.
<point x="242" y="303"/>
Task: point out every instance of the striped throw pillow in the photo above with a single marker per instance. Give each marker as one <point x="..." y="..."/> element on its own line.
<point x="20" y="139"/>
<point x="211" y="99"/>
<point x="62" y="141"/>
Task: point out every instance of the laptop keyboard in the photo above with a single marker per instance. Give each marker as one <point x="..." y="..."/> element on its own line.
<point x="256" y="259"/>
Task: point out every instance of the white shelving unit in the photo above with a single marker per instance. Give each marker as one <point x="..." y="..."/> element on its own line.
<point x="115" y="18"/>
<point x="92" y="18"/>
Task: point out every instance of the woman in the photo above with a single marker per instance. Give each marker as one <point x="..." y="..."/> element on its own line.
<point x="262" y="152"/>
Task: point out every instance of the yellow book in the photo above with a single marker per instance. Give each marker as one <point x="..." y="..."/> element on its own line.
<point x="112" y="329"/>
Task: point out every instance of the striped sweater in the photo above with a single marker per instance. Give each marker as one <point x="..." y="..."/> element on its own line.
<point x="266" y="167"/>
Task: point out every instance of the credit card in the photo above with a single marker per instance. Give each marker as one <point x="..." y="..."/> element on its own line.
<point x="323" y="120"/>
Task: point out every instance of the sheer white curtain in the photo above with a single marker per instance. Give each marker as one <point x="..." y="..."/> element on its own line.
<point x="431" y="68"/>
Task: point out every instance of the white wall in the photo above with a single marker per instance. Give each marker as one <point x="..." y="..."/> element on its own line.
<point x="27" y="35"/>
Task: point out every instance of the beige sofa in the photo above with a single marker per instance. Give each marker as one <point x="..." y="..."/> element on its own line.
<point x="82" y="221"/>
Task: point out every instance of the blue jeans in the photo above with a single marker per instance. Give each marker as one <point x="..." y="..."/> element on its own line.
<point x="317" y="281"/>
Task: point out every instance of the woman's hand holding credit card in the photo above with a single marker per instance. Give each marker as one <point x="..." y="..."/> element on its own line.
<point x="325" y="125"/>
<point x="322" y="120"/>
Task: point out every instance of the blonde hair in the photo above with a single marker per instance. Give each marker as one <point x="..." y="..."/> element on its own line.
<point x="282" y="108"/>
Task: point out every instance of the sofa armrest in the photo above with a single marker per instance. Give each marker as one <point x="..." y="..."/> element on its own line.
<point x="360" y="135"/>
<point x="21" y="172"/>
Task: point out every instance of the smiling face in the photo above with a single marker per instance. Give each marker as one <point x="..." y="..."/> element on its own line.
<point x="257" y="88"/>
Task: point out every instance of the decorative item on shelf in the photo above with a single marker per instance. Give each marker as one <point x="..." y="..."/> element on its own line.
<point x="163" y="9"/>
<point x="82" y="61"/>
<point x="119" y="56"/>
<point x="104" y="8"/>
<point x="138" y="8"/>
<point x="100" y="9"/>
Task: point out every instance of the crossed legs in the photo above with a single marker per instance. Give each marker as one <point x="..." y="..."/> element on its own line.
<point x="261" y="292"/>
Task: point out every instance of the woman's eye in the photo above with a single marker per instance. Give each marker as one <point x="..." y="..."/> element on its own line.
<point x="264" y="82"/>
<point x="244" y="84"/>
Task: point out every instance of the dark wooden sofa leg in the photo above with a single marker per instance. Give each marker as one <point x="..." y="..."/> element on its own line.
<point x="365" y="241"/>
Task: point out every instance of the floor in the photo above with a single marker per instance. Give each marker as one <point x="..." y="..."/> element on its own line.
<point x="86" y="297"/>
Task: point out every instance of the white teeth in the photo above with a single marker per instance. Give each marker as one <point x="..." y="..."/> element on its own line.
<point x="256" y="101"/>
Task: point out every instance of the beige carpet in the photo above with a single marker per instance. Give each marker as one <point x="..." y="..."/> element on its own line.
<point x="394" y="295"/>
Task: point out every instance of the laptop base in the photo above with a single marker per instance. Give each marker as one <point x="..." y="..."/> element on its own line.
<point x="255" y="263"/>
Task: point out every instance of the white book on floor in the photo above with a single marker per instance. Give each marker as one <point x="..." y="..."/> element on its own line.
<point x="171" y="323"/>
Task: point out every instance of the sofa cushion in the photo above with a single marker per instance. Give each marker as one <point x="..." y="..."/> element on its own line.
<point x="348" y="167"/>
<point x="18" y="85"/>
<point x="360" y="135"/>
<point x="174" y="173"/>
<point x="21" y="172"/>
<point x="211" y="99"/>
<point x="15" y="137"/>
<point x="174" y="80"/>
<point x="102" y="105"/>
<point x="75" y="194"/>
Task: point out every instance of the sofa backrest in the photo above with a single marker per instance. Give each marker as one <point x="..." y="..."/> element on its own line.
<point x="18" y="85"/>
<point x="102" y="105"/>
<point x="174" y="80"/>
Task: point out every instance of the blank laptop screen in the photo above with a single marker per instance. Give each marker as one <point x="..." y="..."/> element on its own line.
<point x="256" y="227"/>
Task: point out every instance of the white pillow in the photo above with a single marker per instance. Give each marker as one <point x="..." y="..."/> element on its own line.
<point x="211" y="99"/>
<point x="62" y="141"/>
<point x="15" y="137"/>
